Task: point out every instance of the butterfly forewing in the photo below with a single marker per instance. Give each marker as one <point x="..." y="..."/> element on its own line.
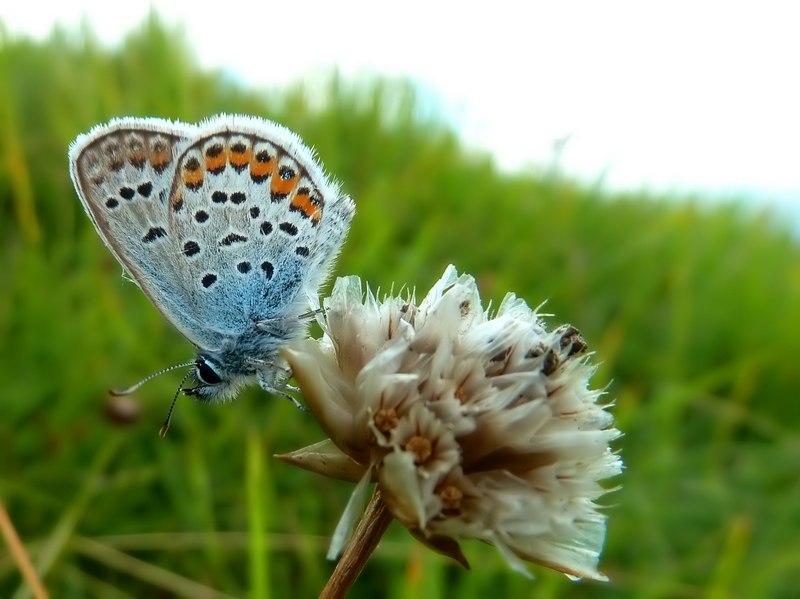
<point x="123" y="172"/>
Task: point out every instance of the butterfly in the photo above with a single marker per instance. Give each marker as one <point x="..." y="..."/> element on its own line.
<point x="229" y="227"/>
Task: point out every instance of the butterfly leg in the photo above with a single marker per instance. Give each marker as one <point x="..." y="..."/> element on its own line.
<point x="267" y="384"/>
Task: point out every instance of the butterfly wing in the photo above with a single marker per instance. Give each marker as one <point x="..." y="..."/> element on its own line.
<point x="123" y="172"/>
<point x="222" y="225"/>
<point x="257" y="221"/>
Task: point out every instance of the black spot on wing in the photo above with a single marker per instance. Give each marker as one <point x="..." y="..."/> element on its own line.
<point x="154" y="233"/>
<point x="232" y="238"/>
<point x="190" y="248"/>
<point x="288" y="228"/>
<point x="208" y="280"/>
<point x="145" y="189"/>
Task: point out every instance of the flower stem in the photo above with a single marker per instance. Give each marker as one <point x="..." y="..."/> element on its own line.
<point x="365" y="539"/>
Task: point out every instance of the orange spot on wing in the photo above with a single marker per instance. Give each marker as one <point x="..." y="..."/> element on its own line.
<point x="136" y="155"/>
<point x="303" y="203"/>
<point x="113" y="155"/>
<point x="216" y="163"/>
<point x="239" y="160"/>
<point x="282" y="186"/>
<point x="193" y="179"/>
<point x="262" y="170"/>
<point x="159" y="159"/>
<point x="177" y="202"/>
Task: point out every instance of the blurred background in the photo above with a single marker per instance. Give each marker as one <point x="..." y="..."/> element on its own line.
<point x="634" y="167"/>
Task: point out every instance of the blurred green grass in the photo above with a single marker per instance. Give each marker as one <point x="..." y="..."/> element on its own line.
<point x="693" y="310"/>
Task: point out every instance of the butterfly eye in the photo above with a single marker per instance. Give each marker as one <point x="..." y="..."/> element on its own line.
<point x="206" y="371"/>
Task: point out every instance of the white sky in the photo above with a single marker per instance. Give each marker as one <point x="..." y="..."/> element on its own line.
<point x="666" y="96"/>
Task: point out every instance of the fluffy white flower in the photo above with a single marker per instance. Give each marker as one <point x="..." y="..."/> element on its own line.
<point x="473" y="425"/>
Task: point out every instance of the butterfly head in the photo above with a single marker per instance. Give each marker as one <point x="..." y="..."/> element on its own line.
<point x="214" y="382"/>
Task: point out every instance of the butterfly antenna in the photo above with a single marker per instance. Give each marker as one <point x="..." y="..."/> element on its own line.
<point x="133" y="388"/>
<point x="162" y="432"/>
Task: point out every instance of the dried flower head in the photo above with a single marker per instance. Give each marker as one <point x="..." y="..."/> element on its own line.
<point x="473" y="425"/>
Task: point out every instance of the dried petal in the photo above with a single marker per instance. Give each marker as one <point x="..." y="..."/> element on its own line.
<point x="326" y="459"/>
